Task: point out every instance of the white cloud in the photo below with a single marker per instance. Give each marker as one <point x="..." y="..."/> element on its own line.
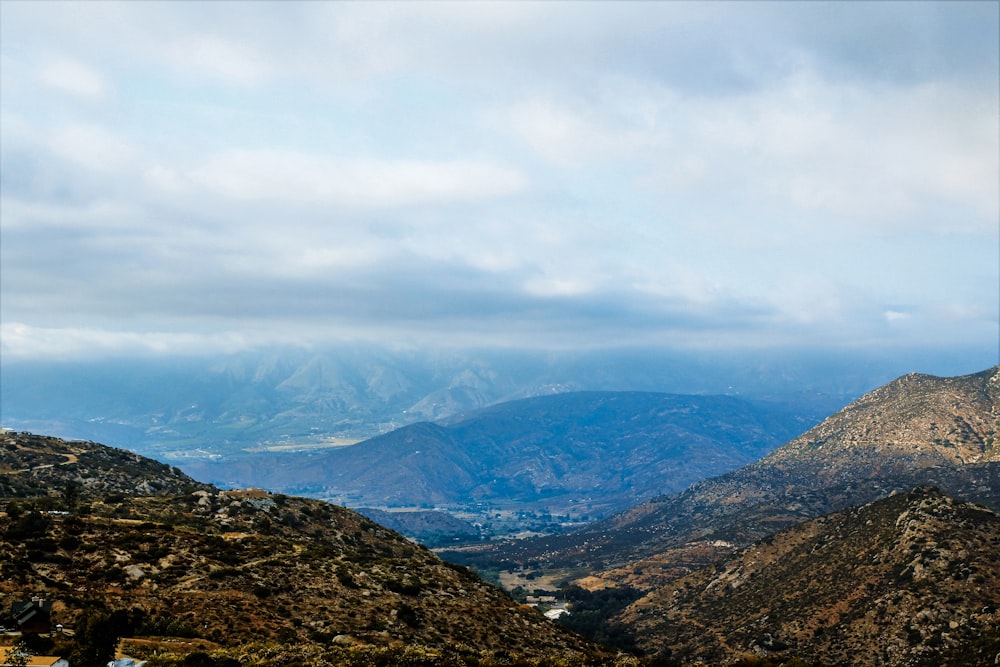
<point x="621" y="123"/>
<point x="92" y="147"/>
<point x="895" y="315"/>
<point x="839" y="155"/>
<point x="296" y="178"/>
<point x="22" y="341"/>
<point x="93" y="216"/>
<point x="536" y="165"/>
<point x="218" y="58"/>
<point x="74" y="77"/>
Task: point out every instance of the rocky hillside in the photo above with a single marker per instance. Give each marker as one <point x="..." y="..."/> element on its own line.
<point x="917" y="430"/>
<point x="35" y="466"/>
<point x="576" y="454"/>
<point x="917" y="421"/>
<point x="908" y="580"/>
<point x="243" y="574"/>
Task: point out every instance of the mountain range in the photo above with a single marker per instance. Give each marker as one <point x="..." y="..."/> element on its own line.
<point x="819" y="550"/>
<point x="870" y="539"/>
<point x="575" y="455"/>
<point x="181" y="409"/>
<point x="916" y="430"/>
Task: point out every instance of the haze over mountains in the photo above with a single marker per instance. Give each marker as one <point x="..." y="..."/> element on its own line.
<point x="576" y="454"/>
<point x="182" y="408"/>
<point x="598" y="276"/>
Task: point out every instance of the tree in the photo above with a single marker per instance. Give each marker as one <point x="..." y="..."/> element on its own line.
<point x="20" y="655"/>
<point x="97" y="635"/>
<point x="71" y="495"/>
<point x="32" y="524"/>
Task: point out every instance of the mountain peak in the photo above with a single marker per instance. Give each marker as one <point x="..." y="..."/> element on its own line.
<point x="918" y="419"/>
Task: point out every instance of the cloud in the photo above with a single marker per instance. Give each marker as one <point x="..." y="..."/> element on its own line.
<point x="896" y="315"/>
<point x="582" y="133"/>
<point x="74" y="77"/>
<point x="298" y="178"/>
<point x="20" y="341"/>
<point x="519" y="173"/>
<point x="91" y="147"/>
<point x="218" y="58"/>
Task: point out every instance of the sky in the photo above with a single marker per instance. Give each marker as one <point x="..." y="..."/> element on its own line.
<point x="216" y="176"/>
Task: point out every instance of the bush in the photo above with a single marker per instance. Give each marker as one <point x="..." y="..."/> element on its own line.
<point x="32" y="524"/>
<point x="409" y="587"/>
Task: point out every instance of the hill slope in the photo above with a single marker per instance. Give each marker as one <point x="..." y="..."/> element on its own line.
<point x="237" y="569"/>
<point x="917" y="430"/>
<point x="575" y="453"/>
<point x="908" y="580"/>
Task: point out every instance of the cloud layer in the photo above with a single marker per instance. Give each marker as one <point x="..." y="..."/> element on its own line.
<point x="518" y="174"/>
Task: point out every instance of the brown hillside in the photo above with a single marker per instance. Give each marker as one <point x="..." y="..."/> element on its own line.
<point x="916" y="421"/>
<point x="240" y="569"/>
<point x="908" y="580"/>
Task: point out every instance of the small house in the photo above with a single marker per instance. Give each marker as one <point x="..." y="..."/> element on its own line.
<point x="33" y="616"/>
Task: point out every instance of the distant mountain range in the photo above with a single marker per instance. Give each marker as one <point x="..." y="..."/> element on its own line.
<point x="576" y="454"/>
<point x="180" y="409"/>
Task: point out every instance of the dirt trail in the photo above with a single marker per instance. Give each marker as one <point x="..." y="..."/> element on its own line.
<point x="70" y="459"/>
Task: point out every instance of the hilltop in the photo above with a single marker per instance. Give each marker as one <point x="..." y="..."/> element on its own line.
<point x="243" y="574"/>
<point x="34" y="466"/>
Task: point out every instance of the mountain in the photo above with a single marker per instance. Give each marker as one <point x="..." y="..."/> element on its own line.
<point x="575" y="455"/>
<point x="123" y="546"/>
<point x="907" y="580"/>
<point x="179" y="409"/>
<point x="917" y="430"/>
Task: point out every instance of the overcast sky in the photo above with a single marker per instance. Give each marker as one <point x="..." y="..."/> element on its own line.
<point x="181" y="176"/>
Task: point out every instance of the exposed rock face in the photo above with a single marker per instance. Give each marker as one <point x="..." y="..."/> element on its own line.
<point x="908" y="580"/>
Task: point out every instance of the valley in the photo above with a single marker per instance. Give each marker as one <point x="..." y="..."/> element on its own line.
<point x="499" y="334"/>
<point x="533" y="465"/>
<point x="869" y="539"/>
